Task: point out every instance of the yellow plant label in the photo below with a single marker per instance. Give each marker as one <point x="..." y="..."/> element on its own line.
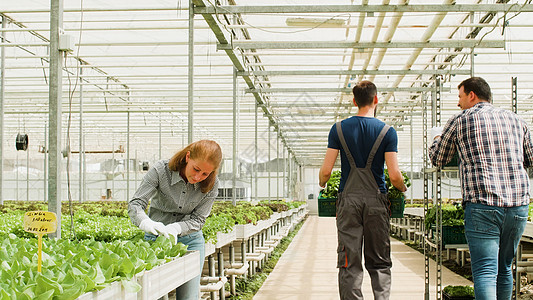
<point x="40" y="222"/>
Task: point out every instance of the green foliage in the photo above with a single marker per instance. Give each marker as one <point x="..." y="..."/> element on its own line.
<point x="72" y="268"/>
<point x="243" y="213"/>
<point x="295" y="204"/>
<point x="332" y="186"/>
<point x="104" y="208"/>
<point x="86" y="226"/>
<point x="101" y="228"/>
<point x="275" y="205"/>
<point x="459" y="291"/>
<point x="394" y="193"/>
<point x="451" y="215"/>
<point x="217" y="223"/>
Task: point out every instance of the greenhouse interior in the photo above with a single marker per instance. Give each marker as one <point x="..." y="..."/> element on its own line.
<point x="105" y="105"/>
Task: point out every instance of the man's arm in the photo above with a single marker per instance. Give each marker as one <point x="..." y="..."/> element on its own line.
<point x="528" y="147"/>
<point x="443" y="148"/>
<point x="396" y="177"/>
<point x="327" y="166"/>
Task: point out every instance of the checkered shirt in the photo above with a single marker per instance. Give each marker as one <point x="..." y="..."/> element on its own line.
<point x="494" y="149"/>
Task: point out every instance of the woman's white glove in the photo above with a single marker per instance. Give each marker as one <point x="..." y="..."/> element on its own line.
<point x="173" y="229"/>
<point x="155" y="228"/>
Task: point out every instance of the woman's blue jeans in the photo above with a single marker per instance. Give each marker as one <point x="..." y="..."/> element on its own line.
<point x="195" y="241"/>
<point x="493" y="233"/>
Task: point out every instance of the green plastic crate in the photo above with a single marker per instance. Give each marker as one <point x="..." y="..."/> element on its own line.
<point x="446" y="296"/>
<point x="397" y="207"/>
<point x="451" y="234"/>
<point x="327" y="207"/>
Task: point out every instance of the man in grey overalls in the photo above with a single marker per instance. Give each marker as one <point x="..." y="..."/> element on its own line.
<point x="365" y="144"/>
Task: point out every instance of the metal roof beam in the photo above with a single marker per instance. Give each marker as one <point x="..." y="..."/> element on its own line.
<point x="410" y="8"/>
<point x="246" y="45"/>
<point x="336" y="90"/>
<point x="355" y="72"/>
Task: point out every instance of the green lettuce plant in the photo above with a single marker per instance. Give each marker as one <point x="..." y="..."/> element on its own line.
<point x="393" y="192"/>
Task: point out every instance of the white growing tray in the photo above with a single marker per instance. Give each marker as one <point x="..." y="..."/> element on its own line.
<point x="225" y="238"/>
<point x="165" y="278"/>
<point x="155" y="283"/>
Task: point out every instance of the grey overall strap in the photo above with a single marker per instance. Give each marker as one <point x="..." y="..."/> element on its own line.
<point x="377" y="143"/>
<point x="345" y="146"/>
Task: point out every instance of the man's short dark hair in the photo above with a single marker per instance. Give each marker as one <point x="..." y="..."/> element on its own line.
<point x="477" y="85"/>
<point x="364" y="93"/>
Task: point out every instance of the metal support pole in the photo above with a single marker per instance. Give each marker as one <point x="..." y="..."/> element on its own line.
<point x="220" y="258"/>
<point x="438" y="184"/>
<point x="128" y="149"/>
<point x="54" y="115"/>
<point x="80" y="164"/>
<point x="289" y="176"/>
<point x="255" y="150"/>
<point x="45" y="162"/>
<point x="136" y="170"/>
<point x="269" y="163"/>
<point x="243" y="254"/>
<point x="160" y="137"/>
<point x="234" y="156"/>
<point x="211" y="264"/>
<point x="472" y="55"/>
<point x="2" y="93"/>
<point x="277" y="165"/>
<point x="514" y="94"/>
<point x="412" y="158"/>
<point x="115" y="165"/>
<point x="426" y="196"/>
<point x="232" y="288"/>
<point x="284" y="176"/>
<point x="514" y="106"/>
<point x="27" y="175"/>
<point x="190" y="75"/>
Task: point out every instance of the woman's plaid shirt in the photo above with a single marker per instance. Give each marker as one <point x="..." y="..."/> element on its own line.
<point x="494" y="148"/>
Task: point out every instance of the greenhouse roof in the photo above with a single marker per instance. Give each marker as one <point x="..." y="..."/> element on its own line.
<point x="294" y="62"/>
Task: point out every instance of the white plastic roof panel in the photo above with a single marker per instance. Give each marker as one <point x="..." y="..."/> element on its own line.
<point x="297" y="59"/>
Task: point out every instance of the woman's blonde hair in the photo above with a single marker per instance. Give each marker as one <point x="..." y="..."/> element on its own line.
<point x="205" y="150"/>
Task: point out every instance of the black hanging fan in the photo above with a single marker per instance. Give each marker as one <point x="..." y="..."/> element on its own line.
<point x="22" y="142"/>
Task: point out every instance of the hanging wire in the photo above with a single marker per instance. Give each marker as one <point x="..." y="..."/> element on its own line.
<point x="504" y="17"/>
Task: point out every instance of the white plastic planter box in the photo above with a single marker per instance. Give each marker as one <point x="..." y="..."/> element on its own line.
<point x="244" y="231"/>
<point x="261" y="224"/>
<point x="161" y="280"/>
<point x="209" y="249"/>
<point x="113" y="291"/>
<point x="156" y="282"/>
<point x="225" y="238"/>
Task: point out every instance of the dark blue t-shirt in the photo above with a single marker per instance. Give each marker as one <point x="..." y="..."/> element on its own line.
<point x="360" y="134"/>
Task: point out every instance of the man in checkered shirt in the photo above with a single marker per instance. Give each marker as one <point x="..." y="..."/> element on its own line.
<point x="494" y="148"/>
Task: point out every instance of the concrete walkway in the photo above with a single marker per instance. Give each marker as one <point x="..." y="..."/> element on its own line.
<point x="307" y="268"/>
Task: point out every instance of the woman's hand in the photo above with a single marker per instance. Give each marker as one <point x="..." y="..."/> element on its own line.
<point x="173" y="229"/>
<point x="155" y="228"/>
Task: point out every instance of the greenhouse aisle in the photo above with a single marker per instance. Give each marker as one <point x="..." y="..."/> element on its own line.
<point x="307" y="268"/>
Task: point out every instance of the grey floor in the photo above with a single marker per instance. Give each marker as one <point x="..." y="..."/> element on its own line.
<point x="307" y="268"/>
